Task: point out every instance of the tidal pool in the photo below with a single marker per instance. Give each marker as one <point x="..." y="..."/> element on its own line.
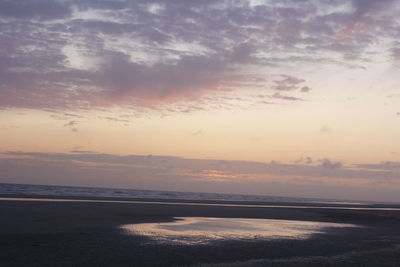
<point x="204" y="230"/>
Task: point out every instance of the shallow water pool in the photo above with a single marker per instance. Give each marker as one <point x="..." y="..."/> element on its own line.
<point x="203" y="230"/>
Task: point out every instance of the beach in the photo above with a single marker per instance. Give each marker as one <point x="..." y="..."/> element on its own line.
<point x="88" y="233"/>
<point x="230" y="133"/>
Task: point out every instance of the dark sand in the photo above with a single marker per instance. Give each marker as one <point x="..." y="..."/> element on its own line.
<point x="43" y="233"/>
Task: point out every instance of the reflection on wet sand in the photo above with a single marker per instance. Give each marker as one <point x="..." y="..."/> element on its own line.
<point x="203" y="230"/>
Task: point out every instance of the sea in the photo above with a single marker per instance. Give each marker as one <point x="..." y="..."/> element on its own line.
<point x="99" y="192"/>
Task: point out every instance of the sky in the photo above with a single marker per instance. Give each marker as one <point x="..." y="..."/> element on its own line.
<point x="288" y="98"/>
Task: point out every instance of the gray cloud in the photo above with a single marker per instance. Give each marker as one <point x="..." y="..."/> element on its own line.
<point x="72" y="125"/>
<point x="82" y="54"/>
<point x="385" y="165"/>
<point x="326" y="167"/>
<point x="81" y="151"/>
<point x="363" y="7"/>
<point x="305" y="89"/>
<point x="304" y="160"/>
<point x="289" y="83"/>
<point x="175" y="173"/>
<point x="34" y="9"/>
<point x="326" y="163"/>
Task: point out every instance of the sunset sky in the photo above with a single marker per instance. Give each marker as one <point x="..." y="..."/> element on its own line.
<point x="290" y="98"/>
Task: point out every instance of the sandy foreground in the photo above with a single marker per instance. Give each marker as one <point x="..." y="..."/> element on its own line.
<point x="62" y="233"/>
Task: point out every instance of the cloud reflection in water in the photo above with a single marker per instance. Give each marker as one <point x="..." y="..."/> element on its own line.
<point x="204" y="230"/>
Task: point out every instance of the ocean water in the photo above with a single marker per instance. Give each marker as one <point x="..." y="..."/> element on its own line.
<point x="73" y="191"/>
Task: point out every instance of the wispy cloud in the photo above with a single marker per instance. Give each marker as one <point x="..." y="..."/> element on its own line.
<point x="290" y="83"/>
<point x="72" y="125"/>
<point x="285" y="97"/>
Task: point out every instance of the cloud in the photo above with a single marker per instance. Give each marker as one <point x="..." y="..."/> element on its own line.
<point x="363" y="7"/>
<point x="285" y="97"/>
<point x="396" y="52"/>
<point x="336" y="169"/>
<point x="326" y="163"/>
<point x="189" y="75"/>
<point x="72" y="125"/>
<point x="88" y="54"/>
<point x="81" y="151"/>
<point x="304" y="160"/>
<point x="113" y="119"/>
<point x="384" y="165"/>
<point x="34" y="9"/>
<point x="289" y="83"/>
<point x="86" y="168"/>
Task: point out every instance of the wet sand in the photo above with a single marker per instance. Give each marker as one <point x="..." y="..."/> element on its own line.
<point x="46" y="233"/>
